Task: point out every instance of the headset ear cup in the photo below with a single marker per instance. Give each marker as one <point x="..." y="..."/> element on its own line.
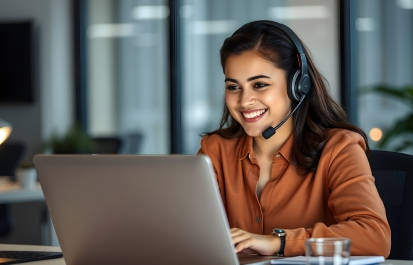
<point x="293" y="85"/>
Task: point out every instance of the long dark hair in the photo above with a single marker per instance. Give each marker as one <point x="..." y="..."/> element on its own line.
<point x="317" y="113"/>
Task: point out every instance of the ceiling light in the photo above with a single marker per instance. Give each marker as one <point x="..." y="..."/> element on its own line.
<point x="111" y="30"/>
<point x="405" y="4"/>
<point x="212" y="27"/>
<point x="298" y="12"/>
<point x="365" y="24"/>
<point x="150" y="12"/>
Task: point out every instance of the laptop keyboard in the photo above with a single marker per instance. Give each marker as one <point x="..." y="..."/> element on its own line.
<point x="14" y="257"/>
<point x="22" y="254"/>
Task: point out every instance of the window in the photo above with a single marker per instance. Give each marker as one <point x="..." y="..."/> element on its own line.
<point x="385" y="58"/>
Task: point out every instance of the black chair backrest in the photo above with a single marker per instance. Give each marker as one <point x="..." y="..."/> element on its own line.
<point x="132" y="143"/>
<point x="107" y="145"/>
<point x="11" y="154"/>
<point x="394" y="181"/>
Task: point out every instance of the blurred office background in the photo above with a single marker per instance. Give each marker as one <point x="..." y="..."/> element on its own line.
<point x="151" y="67"/>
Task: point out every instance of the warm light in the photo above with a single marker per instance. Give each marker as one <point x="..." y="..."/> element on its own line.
<point x="376" y="134"/>
<point x="5" y="130"/>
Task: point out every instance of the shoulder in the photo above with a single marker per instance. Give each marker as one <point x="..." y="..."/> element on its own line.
<point x="213" y="145"/>
<point x="345" y="151"/>
<point x="338" y="139"/>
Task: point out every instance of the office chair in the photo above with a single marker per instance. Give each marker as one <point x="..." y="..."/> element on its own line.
<point x="132" y="143"/>
<point x="394" y="181"/>
<point x="107" y="145"/>
<point x="11" y="154"/>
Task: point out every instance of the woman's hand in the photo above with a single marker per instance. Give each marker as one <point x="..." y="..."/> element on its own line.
<point x="248" y="243"/>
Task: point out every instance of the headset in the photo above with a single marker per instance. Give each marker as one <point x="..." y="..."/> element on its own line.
<point x="298" y="83"/>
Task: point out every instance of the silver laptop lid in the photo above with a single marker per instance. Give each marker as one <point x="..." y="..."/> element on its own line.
<point x="131" y="209"/>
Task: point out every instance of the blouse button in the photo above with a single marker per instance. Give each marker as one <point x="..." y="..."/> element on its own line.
<point x="277" y="155"/>
<point x="258" y="219"/>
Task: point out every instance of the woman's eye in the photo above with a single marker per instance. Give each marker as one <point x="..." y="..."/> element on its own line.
<point x="232" y="87"/>
<point x="259" y="85"/>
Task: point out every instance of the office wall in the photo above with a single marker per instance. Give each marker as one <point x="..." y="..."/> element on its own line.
<point x="52" y="109"/>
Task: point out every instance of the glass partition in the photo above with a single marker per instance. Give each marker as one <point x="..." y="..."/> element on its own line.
<point x="128" y="71"/>
<point x="128" y="67"/>
<point x="385" y="63"/>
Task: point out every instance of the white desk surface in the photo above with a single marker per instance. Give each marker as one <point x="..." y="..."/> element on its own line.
<point x="11" y="192"/>
<point x="61" y="261"/>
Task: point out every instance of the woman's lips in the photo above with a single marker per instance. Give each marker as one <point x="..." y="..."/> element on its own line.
<point x="253" y="115"/>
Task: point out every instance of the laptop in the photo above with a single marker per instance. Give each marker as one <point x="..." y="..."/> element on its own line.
<point x="135" y="209"/>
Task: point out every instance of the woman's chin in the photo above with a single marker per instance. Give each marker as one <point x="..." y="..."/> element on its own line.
<point x="254" y="132"/>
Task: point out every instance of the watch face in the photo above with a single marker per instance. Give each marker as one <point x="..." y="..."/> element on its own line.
<point x="279" y="232"/>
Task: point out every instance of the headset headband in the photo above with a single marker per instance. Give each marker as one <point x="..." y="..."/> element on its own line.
<point x="302" y="58"/>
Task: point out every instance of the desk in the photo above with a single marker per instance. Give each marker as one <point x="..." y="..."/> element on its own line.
<point x="61" y="261"/>
<point x="11" y="192"/>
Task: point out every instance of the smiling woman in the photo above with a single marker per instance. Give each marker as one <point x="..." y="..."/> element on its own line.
<point x="256" y="93"/>
<point x="310" y="176"/>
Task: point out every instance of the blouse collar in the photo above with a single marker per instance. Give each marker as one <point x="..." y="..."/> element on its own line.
<point x="247" y="151"/>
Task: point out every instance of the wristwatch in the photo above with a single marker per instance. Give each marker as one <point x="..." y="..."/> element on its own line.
<point x="281" y="234"/>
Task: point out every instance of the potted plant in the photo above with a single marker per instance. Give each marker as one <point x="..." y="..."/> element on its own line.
<point x="402" y="127"/>
<point x="75" y="141"/>
<point x="26" y="175"/>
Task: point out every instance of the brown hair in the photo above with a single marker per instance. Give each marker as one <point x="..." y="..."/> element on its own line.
<point x="317" y="113"/>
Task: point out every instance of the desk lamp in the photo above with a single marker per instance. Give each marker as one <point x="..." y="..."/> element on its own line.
<point x="5" y="130"/>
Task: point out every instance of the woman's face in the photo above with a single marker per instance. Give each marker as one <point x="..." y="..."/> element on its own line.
<point x="256" y="92"/>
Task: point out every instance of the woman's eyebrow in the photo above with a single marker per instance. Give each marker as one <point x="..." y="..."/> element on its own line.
<point x="249" y="79"/>
<point x="231" y="80"/>
<point x="257" y="77"/>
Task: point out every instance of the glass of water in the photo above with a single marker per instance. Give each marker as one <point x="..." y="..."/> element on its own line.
<point x="327" y="251"/>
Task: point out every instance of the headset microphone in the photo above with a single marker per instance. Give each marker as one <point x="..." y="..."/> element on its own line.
<point x="270" y="131"/>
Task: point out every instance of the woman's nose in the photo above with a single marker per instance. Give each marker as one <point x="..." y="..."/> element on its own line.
<point x="247" y="98"/>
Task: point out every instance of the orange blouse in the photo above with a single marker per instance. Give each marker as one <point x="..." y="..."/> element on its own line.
<point x="339" y="199"/>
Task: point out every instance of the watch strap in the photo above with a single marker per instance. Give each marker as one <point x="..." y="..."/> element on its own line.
<point x="281" y="234"/>
<point x="281" y="252"/>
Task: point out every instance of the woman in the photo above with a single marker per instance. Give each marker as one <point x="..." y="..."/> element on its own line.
<point x="309" y="179"/>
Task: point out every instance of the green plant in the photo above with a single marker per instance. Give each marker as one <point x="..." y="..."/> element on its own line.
<point x="403" y="126"/>
<point x="26" y="164"/>
<point x="76" y="141"/>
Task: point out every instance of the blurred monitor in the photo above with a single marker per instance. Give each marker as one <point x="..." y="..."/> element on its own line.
<point x="16" y="77"/>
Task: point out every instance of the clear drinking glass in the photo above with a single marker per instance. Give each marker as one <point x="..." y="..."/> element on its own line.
<point x="327" y="251"/>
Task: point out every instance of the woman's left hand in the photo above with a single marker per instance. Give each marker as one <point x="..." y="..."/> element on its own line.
<point x="248" y="243"/>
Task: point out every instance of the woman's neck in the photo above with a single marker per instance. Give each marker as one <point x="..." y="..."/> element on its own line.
<point x="269" y="147"/>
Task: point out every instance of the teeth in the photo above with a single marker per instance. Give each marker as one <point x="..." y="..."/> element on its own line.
<point x="253" y="114"/>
